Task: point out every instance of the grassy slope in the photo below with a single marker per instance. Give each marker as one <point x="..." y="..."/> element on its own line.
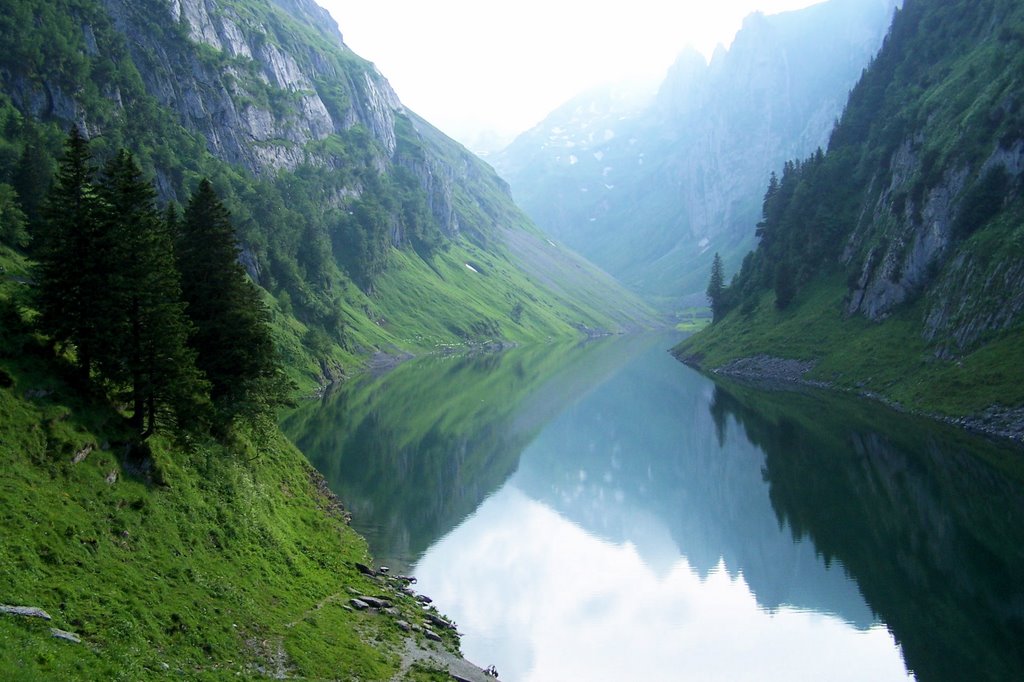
<point x="212" y="563"/>
<point x="890" y="358"/>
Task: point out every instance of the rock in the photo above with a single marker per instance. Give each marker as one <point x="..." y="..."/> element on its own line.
<point x="365" y="570"/>
<point x="26" y="611"/>
<point x="403" y="626"/>
<point x="407" y="578"/>
<point x="82" y="454"/>
<point x="392" y="611"/>
<point x="384" y="569"/>
<point x="431" y="635"/>
<point x="439" y="621"/>
<point x="424" y="599"/>
<point x="65" y="635"/>
<point x="359" y="604"/>
<point x="112" y="477"/>
<point x="374" y="602"/>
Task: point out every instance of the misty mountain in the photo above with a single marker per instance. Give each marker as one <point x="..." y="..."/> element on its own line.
<point x="650" y="190"/>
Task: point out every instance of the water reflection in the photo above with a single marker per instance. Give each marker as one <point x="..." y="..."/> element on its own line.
<point x="929" y="520"/>
<point x="414" y="451"/>
<point x="606" y="513"/>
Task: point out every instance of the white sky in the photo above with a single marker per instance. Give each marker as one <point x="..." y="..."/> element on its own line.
<point x="469" y="66"/>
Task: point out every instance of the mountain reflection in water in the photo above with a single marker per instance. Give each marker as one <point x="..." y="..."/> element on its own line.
<point x="603" y="512"/>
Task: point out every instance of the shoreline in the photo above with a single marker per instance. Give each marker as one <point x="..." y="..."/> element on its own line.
<point x="1003" y="423"/>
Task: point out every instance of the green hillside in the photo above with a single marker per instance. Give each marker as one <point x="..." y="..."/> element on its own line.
<point x="893" y="263"/>
<point x="347" y="205"/>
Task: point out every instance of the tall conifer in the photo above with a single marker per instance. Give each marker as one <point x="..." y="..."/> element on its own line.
<point x="145" y="326"/>
<point x="232" y="325"/>
<point x="716" y="288"/>
<point x="70" y="251"/>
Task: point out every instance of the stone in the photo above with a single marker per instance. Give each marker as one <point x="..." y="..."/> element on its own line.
<point x="423" y="599"/>
<point x="359" y="604"/>
<point x="26" y="611"/>
<point x="403" y="626"/>
<point x="374" y="602"/>
<point x="439" y="621"/>
<point x="81" y="454"/>
<point x="65" y="635"/>
<point x="431" y="635"/>
<point x="112" y="477"/>
<point x="365" y="570"/>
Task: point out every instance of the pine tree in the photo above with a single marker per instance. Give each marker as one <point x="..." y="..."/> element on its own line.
<point x="12" y="218"/>
<point x="32" y="173"/>
<point x="716" y="288"/>
<point x="144" y="323"/>
<point x="71" y="251"/>
<point x="232" y="336"/>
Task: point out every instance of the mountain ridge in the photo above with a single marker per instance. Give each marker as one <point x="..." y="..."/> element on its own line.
<point x="892" y="263"/>
<point x="333" y="183"/>
<point x="679" y="179"/>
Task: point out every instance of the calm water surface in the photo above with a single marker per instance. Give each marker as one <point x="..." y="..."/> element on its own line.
<point x="601" y="512"/>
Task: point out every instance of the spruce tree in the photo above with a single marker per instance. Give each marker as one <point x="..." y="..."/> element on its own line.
<point x="232" y="325"/>
<point x="145" y="327"/>
<point x="71" y="251"/>
<point x="716" y="288"/>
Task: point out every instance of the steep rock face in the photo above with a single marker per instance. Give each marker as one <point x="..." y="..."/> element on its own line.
<point x="255" y="103"/>
<point x="958" y="169"/>
<point x="357" y="216"/>
<point x="919" y="205"/>
<point x="651" y="189"/>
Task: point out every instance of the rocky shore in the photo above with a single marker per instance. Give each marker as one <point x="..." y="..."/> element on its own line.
<point x="774" y="372"/>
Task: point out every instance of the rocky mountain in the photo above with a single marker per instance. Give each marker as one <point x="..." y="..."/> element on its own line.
<point x="651" y="190"/>
<point x="893" y="262"/>
<point x="368" y="228"/>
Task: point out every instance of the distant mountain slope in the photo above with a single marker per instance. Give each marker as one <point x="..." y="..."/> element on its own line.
<point x="340" y="193"/>
<point x="649" y="191"/>
<point x="895" y="262"/>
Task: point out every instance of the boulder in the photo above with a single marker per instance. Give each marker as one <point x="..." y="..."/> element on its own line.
<point x="439" y="621"/>
<point x="65" y="635"/>
<point x="26" y="611"/>
<point x="374" y="602"/>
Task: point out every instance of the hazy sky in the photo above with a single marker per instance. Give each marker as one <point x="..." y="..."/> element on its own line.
<point x="475" y="65"/>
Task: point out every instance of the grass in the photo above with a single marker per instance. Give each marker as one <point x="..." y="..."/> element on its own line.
<point x="888" y="358"/>
<point x="202" y="560"/>
<point x="693" y="319"/>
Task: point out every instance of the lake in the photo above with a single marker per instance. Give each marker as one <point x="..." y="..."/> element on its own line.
<point x="599" y="511"/>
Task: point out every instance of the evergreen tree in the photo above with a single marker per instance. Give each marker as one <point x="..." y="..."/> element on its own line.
<point x="232" y="337"/>
<point x="145" y="326"/>
<point x="32" y="174"/>
<point x="12" y="218"/>
<point x="71" y="255"/>
<point x="716" y="288"/>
